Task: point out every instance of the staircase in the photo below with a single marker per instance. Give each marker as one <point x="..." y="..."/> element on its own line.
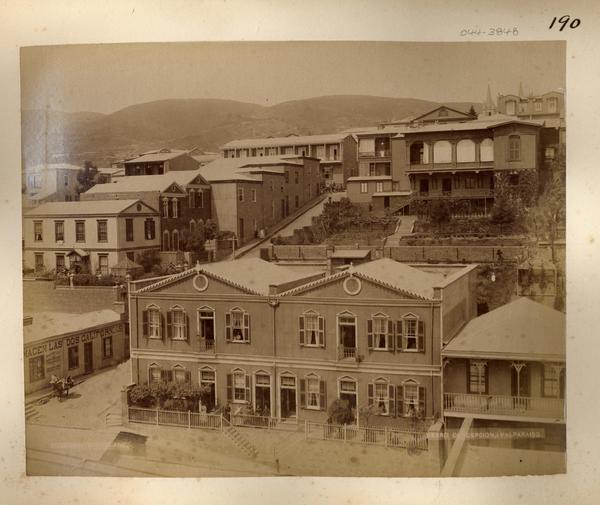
<point x="31" y="413"/>
<point x="114" y="419"/>
<point x="241" y="442"/>
<point x="405" y="227"/>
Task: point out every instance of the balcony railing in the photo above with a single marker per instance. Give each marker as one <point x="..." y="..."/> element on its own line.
<point x="505" y="405"/>
<point x="269" y="423"/>
<point x="379" y="153"/>
<point x="206" y="345"/>
<point x="346" y="352"/>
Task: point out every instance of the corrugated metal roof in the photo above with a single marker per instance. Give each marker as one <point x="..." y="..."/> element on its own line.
<point x="81" y="208"/>
<point x="155" y="157"/>
<point x="522" y="327"/>
<point x="50" y="324"/>
<point x="231" y="169"/>
<point x="476" y="124"/>
<point x="292" y="140"/>
<point x="138" y="183"/>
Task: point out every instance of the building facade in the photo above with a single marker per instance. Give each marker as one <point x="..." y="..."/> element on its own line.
<point x="70" y="344"/>
<point x="286" y="344"/>
<point x="336" y="152"/>
<point x="506" y="369"/>
<point x="54" y="182"/>
<point x="251" y="195"/>
<point x="160" y="162"/>
<point x="88" y="236"/>
<point x="183" y="199"/>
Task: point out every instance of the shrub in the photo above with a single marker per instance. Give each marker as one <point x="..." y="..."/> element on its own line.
<point x="339" y="412"/>
<point x="141" y="396"/>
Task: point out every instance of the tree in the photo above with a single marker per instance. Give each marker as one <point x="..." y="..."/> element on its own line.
<point x="472" y="112"/>
<point x="340" y="412"/>
<point x="210" y="230"/>
<point x="149" y="259"/>
<point x="86" y="177"/>
<point x="508" y="205"/>
<point x="439" y="213"/>
<point x="193" y="241"/>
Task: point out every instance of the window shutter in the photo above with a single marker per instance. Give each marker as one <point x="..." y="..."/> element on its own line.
<point x="399" y="335"/>
<point x="421" y="335"/>
<point x="229" y="387"/>
<point x="322" y="395"/>
<point x="169" y="324"/>
<point x="422" y="404"/>
<point x="162" y="325"/>
<point x="301" y="329"/>
<point x="370" y="394"/>
<point x="390" y="336"/>
<point x="302" y="393"/>
<point x="186" y="323"/>
<point x="249" y="388"/>
<point x="392" y="397"/>
<point x="400" y="400"/>
<point x="370" y="334"/>
<point x="321" y="331"/>
<point x="487" y="377"/>
<point x="145" y="331"/>
<point x="227" y="325"/>
<point x="188" y="377"/>
<point x="246" y="327"/>
<point x="163" y="376"/>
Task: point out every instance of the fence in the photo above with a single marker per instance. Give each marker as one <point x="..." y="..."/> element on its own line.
<point x="175" y="418"/>
<point x="386" y="437"/>
<point x="249" y="421"/>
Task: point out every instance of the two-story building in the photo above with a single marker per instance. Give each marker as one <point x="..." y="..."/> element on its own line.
<point x="456" y="160"/>
<point x="287" y="344"/>
<point x="88" y="236"/>
<point x="159" y="162"/>
<point x="183" y="198"/>
<point x="506" y="369"/>
<point x="53" y="182"/>
<point x="336" y="152"/>
<point x="250" y="195"/>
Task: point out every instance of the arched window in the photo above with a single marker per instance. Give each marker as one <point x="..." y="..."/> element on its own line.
<point x="166" y="245"/>
<point x="381" y="397"/>
<point x="465" y="151"/>
<point x="442" y="152"/>
<point x="486" y="150"/>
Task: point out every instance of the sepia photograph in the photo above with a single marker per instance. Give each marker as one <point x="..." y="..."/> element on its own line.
<point x="316" y="259"/>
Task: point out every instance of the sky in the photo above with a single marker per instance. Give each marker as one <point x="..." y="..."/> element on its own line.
<point x="108" y="77"/>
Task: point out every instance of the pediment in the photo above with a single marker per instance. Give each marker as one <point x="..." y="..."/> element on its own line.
<point x="192" y="283"/>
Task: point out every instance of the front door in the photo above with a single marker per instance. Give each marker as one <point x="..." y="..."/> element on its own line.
<point x="424" y="186"/>
<point x="262" y="395"/>
<point x="287" y="395"/>
<point x="386" y="202"/>
<point x="88" y="357"/>
<point x="447" y="185"/>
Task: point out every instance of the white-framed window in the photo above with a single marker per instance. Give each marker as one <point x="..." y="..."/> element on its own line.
<point x="59" y="231"/>
<point x="103" y="264"/>
<point x="208" y="379"/>
<point x="381" y="395"/>
<point x="37" y="231"/>
<point x="537" y="106"/>
<point x="240" y="192"/>
<point x="312" y="329"/>
<point x="154" y="374"/>
<point x="364" y="187"/>
<point x="152" y="322"/>
<point x="552" y="377"/>
<point x="175" y="207"/>
<point x="237" y="325"/>
<point x="312" y="392"/>
<point x="165" y="207"/>
<point x="238" y="386"/>
<point x="552" y="104"/>
<point x="478" y="377"/>
<point x="262" y="393"/>
<point x="253" y="194"/>
<point x="379" y="187"/>
<point x="412" y="398"/>
<point x="206" y="325"/>
<point x="181" y="375"/>
<point x="177" y="323"/>
<point x="348" y="390"/>
<point x="380" y="333"/>
<point x="410" y="334"/>
<point x="514" y="148"/>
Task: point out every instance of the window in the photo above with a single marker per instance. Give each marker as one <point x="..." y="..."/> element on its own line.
<point x="510" y="107"/>
<point x="37" y="231"/>
<point x="347" y="391"/>
<point x="312" y="329"/>
<point x="363" y="187"/>
<point x="549" y="153"/>
<point x="238" y="387"/>
<point x="297" y="201"/>
<point x="175" y="207"/>
<point x="262" y="394"/>
<point x="237" y="326"/>
<point x="66" y="180"/>
<point x="412" y="400"/>
<point x="177" y="323"/>
<point x="149" y="229"/>
<point x="253" y="194"/>
<point x="381" y="395"/>
<point x="206" y="326"/>
<point x="514" y="148"/>
<point x="552" y="104"/>
<point x="36" y="369"/>
<point x="166" y="244"/>
<point x="297" y="176"/>
<point x="241" y="194"/>
<point x="181" y="375"/>
<point x="478" y="377"/>
<point x="102" y="231"/>
<point x="154" y="374"/>
<point x="191" y="199"/>
<point x="152" y="322"/>
<point x="129" y="229"/>
<point x="165" y="207"/>
<point x="552" y="374"/>
<point x="175" y="241"/>
<point x="39" y="262"/>
<point x="411" y="334"/>
<point x="537" y="106"/>
<point x="59" y="231"/>
<point x="107" y="349"/>
<point x="513" y="179"/>
<point x="60" y="262"/>
<point x="465" y="151"/>
<point x="379" y="187"/>
<point x="103" y="264"/>
<point x="80" y="231"/>
<point x="199" y="199"/>
<point x="73" y="357"/>
<point x="287" y="177"/>
<point x="470" y="181"/>
<point x="486" y="150"/>
<point x="312" y="393"/>
<point x="442" y="152"/>
<point x="380" y="333"/>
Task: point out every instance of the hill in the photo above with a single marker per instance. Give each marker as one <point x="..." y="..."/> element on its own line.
<point x="203" y="123"/>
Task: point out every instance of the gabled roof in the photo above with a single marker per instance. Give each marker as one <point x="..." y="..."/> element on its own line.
<point x="83" y="208"/>
<point x="388" y="273"/>
<point x="522" y="329"/>
<point x="252" y="275"/>
<point x="477" y="124"/>
<point x="137" y="183"/>
<point x="234" y="169"/>
<point x="292" y="140"/>
<point x="156" y="156"/>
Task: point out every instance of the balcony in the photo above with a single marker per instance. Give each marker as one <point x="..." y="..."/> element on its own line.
<point x="416" y="167"/>
<point x="380" y="153"/>
<point x="346" y="352"/>
<point x="497" y="406"/>
<point x="206" y="345"/>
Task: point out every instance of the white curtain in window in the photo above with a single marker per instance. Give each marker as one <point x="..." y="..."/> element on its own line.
<point x="442" y="152"/>
<point x="486" y="150"/>
<point x="366" y="146"/>
<point x="465" y="151"/>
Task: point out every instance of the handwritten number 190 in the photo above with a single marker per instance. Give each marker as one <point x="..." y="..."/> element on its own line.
<point x="564" y="21"/>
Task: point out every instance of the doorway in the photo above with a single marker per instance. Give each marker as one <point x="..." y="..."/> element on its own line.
<point x="447" y="186"/>
<point x="424" y="186"/>
<point x="88" y="357"/>
<point x="287" y="395"/>
<point x="386" y="202"/>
